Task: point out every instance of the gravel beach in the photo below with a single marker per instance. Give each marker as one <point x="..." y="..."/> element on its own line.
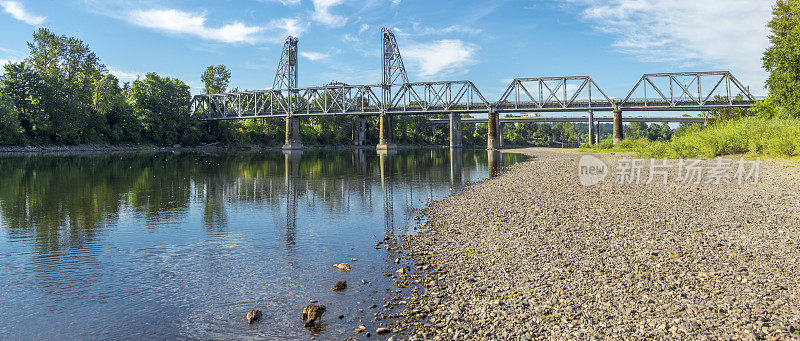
<point x="533" y="254"/>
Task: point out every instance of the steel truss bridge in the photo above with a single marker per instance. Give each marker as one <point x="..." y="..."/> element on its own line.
<point x="685" y="91"/>
<point x="395" y="95"/>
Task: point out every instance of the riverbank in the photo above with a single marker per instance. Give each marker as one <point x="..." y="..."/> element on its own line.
<point x="533" y="254"/>
<point x="90" y="149"/>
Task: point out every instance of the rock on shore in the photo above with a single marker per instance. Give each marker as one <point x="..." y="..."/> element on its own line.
<point x="532" y="254"/>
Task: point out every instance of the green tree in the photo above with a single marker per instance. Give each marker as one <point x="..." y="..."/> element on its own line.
<point x="10" y="130"/>
<point x="636" y="131"/>
<point x="782" y="61"/>
<point x="162" y="105"/>
<point x="68" y="70"/>
<point x="27" y="92"/>
<point x="216" y="79"/>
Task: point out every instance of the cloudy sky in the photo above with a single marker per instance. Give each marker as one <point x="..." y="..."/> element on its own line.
<point x="487" y="42"/>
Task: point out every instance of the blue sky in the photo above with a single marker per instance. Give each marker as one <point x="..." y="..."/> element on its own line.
<point x="489" y="43"/>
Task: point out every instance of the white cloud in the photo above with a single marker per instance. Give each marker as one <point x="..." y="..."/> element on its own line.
<point x="419" y="30"/>
<point x="285" y="2"/>
<point x="323" y="15"/>
<point x="289" y="27"/>
<point x="364" y="28"/>
<point x="314" y="56"/>
<point x="729" y="34"/>
<point x="4" y="61"/>
<point x="441" y="57"/>
<point x="180" y="22"/>
<point x="124" y="76"/>
<point x="19" y="12"/>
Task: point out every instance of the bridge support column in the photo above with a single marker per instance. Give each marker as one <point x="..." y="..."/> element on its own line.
<point x="618" y="134"/>
<point x="592" y="137"/>
<point x="360" y="131"/>
<point x="494" y="140"/>
<point x="597" y="132"/>
<point x="293" y="134"/>
<point x="385" y="137"/>
<point x="455" y="130"/>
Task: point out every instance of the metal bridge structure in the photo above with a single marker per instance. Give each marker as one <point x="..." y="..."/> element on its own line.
<point x="396" y="95"/>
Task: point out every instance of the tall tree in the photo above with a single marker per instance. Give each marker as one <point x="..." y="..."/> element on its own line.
<point x="27" y="92"/>
<point x="782" y="61"/>
<point x="162" y="105"/>
<point x="216" y="79"/>
<point x="10" y="130"/>
<point x="69" y="70"/>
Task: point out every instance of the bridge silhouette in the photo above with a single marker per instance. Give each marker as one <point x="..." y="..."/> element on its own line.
<point x="395" y="95"/>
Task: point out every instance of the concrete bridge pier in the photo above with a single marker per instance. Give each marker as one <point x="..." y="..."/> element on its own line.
<point x="386" y="133"/>
<point x="618" y="134"/>
<point x="455" y="130"/>
<point x="360" y="131"/>
<point x="494" y="141"/>
<point x="592" y="137"/>
<point x="292" y="134"/>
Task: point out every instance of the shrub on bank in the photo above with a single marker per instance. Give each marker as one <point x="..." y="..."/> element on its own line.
<point x="750" y="135"/>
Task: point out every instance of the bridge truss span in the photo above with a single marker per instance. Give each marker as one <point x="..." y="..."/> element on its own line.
<point x="687" y="91"/>
<point x="554" y="94"/>
<point x="437" y="97"/>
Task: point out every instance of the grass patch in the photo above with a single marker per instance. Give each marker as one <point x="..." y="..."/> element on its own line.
<point x="753" y="136"/>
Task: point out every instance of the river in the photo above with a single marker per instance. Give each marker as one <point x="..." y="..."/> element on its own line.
<point x="183" y="245"/>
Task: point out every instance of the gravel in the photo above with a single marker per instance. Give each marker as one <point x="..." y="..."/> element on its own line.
<point x="532" y="254"/>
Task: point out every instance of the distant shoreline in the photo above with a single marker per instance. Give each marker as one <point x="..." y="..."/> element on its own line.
<point x="93" y="149"/>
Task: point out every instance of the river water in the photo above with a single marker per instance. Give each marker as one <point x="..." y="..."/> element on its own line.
<point x="166" y="246"/>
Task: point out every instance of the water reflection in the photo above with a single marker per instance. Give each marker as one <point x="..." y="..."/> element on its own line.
<point x="456" y="165"/>
<point x="495" y="161"/>
<point x="153" y="236"/>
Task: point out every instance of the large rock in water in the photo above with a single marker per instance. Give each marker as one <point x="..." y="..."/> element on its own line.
<point x="313" y="313"/>
<point x="340" y="285"/>
<point x="342" y="266"/>
<point x="253" y="316"/>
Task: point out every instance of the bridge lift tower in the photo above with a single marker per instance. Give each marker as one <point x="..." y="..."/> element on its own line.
<point x="286" y="78"/>
<point x="393" y="72"/>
